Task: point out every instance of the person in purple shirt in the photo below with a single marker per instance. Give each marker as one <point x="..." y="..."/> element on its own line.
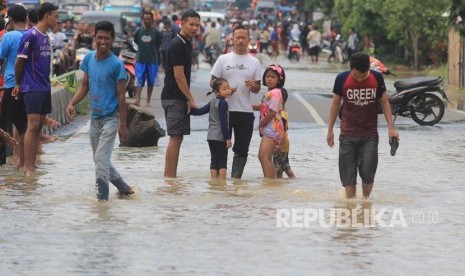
<point x="32" y="75"/>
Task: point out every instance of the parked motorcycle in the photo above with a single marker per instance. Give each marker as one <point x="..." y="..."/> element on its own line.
<point x="80" y="54"/>
<point x="417" y="98"/>
<point x="294" y="50"/>
<point x="341" y="51"/>
<point x="254" y="47"/>
<point x="212" y="53"/>
<point x="128" y="56"/>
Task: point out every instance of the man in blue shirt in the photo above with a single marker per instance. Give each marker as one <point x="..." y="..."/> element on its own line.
<point x="13" y="111"/>
<point x="105" y="80"/>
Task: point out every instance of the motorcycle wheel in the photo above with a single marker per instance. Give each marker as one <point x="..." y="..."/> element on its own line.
<point x="428" y="109"/>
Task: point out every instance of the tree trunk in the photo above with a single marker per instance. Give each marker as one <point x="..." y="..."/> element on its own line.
<point x="414" y="36"/>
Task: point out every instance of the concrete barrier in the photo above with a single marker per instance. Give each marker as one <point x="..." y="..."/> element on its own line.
<point x="61" y="96"/>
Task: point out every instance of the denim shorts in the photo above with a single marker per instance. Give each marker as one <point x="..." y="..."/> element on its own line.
<point x="357" y="153"/>
<point x="38" y="102"/>
<point x="177" y="120"/>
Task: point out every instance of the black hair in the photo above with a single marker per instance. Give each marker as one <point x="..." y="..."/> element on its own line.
<point x="241" y="27"/>
<point x="2" y="23"/>
<point x="18" y="13"/>
<point x="174" y="17"/>
<point x="45" y="8"/>
<point x="360" y="61"/>
<point x="284" y="94"/>
<point x="147" y="13"/>
<point x="66" y="20"/>
<point x="216" y="85"/>
<point x="106" y="26"/>
<point x="32" y="15"/>
<point x="281" y="79"/>
<point x="187" y="14"/>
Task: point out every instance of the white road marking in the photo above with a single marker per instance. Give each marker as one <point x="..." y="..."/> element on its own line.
<point x="310" y="109"/>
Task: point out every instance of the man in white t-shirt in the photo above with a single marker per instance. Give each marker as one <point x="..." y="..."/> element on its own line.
<point x="243" y="72"/>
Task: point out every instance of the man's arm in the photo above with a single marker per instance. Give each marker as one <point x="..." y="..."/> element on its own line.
<point x="388" y="115"/>
<point x="123" y="131"/>
<point x="333" y="111"/>
<point x="80" y="94"/>
<point x="181" y="81"/>
<point x="19" y="69"/>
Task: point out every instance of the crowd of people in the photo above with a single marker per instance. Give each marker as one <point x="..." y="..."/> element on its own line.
<point x="231" y="112"/>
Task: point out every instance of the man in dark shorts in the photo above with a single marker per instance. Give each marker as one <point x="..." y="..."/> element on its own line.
<point x="13" y="110"/>
<point x="359" y="89"/>
<point x="176" y="97"/>
<point x="32" y="75"/>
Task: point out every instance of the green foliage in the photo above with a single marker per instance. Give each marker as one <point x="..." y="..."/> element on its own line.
<point x="457" y="11"/>
<point x="412" y="28"/>
<point x="83" y="107"/>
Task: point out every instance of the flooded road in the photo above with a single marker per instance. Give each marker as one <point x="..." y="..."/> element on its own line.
<point x="53" y="225"/>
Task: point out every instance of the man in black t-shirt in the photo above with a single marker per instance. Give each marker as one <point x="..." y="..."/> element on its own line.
<point x="176" y="97"/>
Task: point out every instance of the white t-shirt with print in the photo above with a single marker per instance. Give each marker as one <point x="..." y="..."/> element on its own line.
<point x="236" y="69"/>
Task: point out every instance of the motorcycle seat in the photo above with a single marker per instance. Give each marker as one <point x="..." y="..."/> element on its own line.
<point x="416" y="82"/>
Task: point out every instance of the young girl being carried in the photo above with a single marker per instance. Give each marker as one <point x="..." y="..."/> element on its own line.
<point x="271" y="125"/>
<point x="218" y="137"/>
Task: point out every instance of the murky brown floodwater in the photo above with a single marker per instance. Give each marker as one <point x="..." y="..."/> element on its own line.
<point x="54" y="226"/>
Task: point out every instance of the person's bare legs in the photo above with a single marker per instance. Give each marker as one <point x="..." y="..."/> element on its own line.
<point x="149" y="95"/>
<point x="213" y="173"/>
<point x="138" y="94"/>
<point x="366" y="188"/>
<point x="222" y="173"/>
<point x="351" y="191"/>
<point x="31" y="142"/>
<point x="172" y="155"/>
<point x="265" y="155"/>
<point x="290" y="173"/>
<point x="18" y="151"/>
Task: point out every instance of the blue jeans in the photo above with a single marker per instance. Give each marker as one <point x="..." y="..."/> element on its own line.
<point x="102" y="139"/>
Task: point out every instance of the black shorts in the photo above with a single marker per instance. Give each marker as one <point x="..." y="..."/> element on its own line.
<point x="38" y="102"/>
<point x="177" y="120"/>
<point x="314" y="51"/>
<point x="219" y="154"/>
<point x="13" y="112"/>
<point x="357" y="153"/>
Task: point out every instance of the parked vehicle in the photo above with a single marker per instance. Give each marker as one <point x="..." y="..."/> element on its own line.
<point x="420" y="98"/>
<point x="254" y="47"/>
<point x="128" y="56"/>
<point x="80" y="54"/>
<point x="212" y="53"/>
<point x="294" y="50"/>
<point x="118" y="21"/>
<point x="341" y="52"/>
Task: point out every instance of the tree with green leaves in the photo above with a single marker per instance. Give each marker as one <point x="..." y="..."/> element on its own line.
<point x="417" y="26"/>
<point x="457" y="16"/>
